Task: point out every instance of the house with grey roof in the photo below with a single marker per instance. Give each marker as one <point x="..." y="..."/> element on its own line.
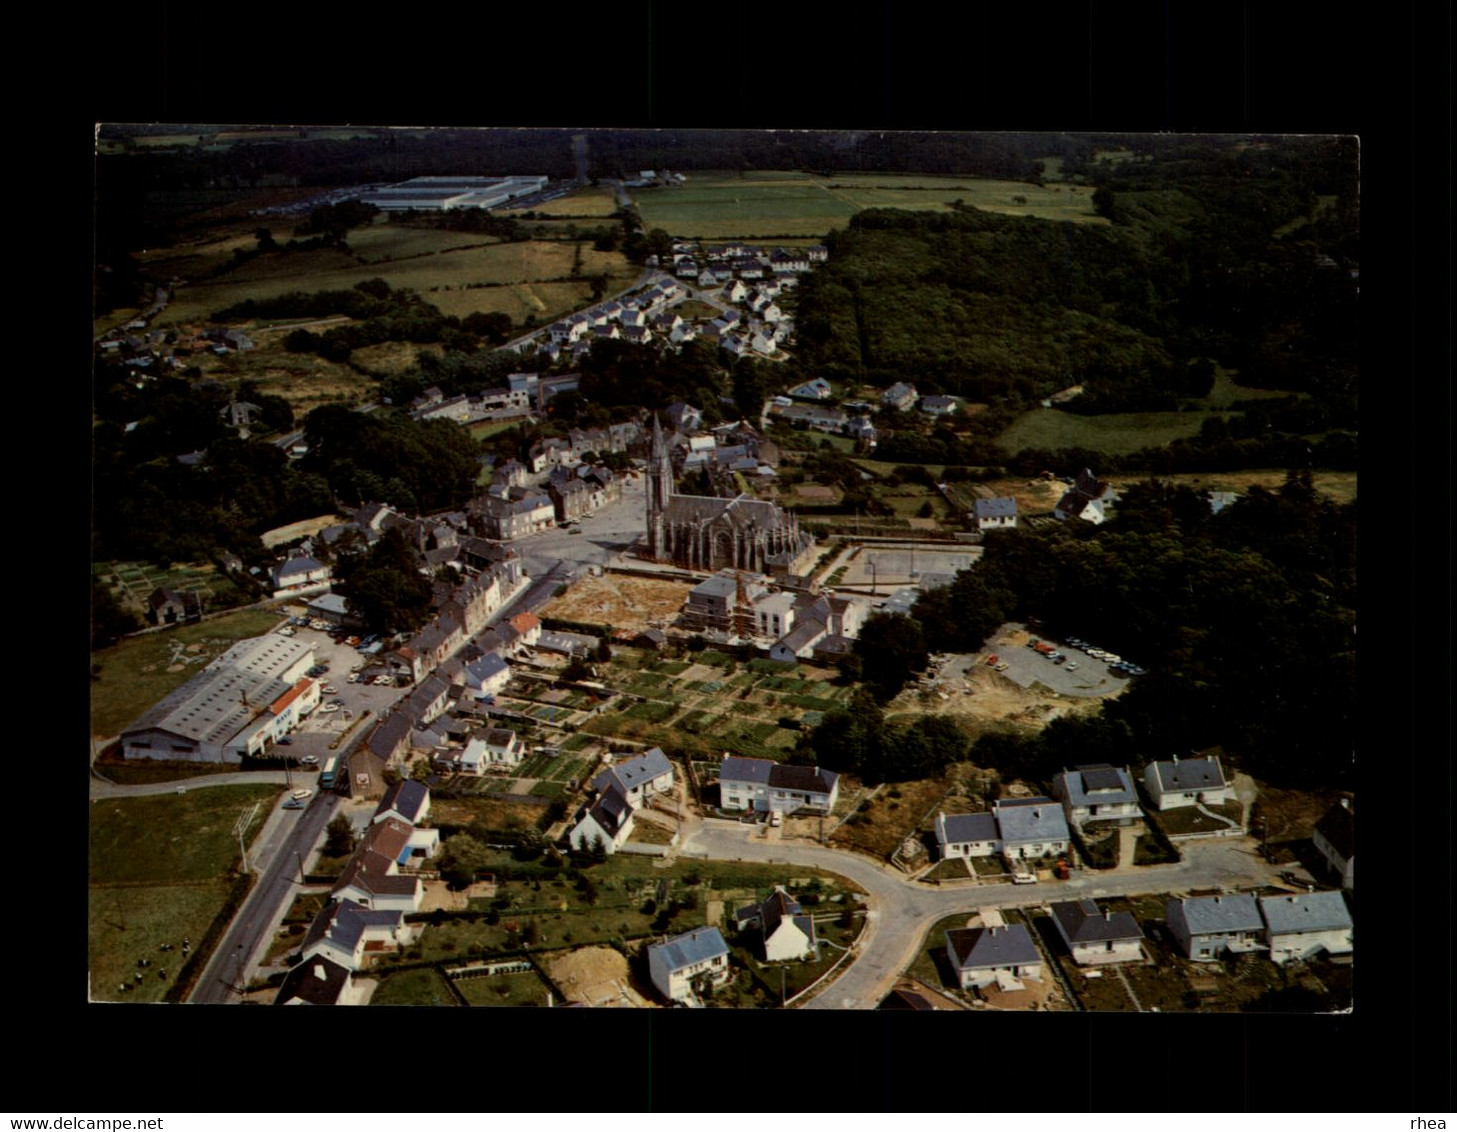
<point x="344" y="931"/>
<point x="966" y="835"/>
<point x="1334" y="839"/>
<point x="784" y="930"/>
<point x="1187" y="782"/>
<point x="407" y="801"/>
<point x="1095" y="936"/>
<point x="938" y="406"/>
<point x="996" y="514"/>
<point x="637" y="778"/>
<point x="607" y="821"/>
<point x="1208" y="927"/>
<point x="688" y="966"/>
<point x="1003" y="955"/>
<point x="1088" y="499"/>
<point x="318" y="982"/>
<point x="1304" y="925"/>
<point x="295" y="573"/>
<point x="901" y="395"/>
<point x="1030" y="827"/>
<point x="486" y="676"/>
<point x="1098" y="792"/>
<point x="372" y="876"/>
<point x="764" y="786"/>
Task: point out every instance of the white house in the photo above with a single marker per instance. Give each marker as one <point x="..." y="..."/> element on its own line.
<point x="1097" y="793"/>
<point x="901" y="395"/>
<point x="297" y="572"/>
<point x="1187" y="782"/>
<point x="504" y="747"/>
<point x="372" y="876"/>
<point x="1335" y="840"/>
<point x="1096" y="937"/>
<point x="637" y="778"/>
<point x="344" y="932"/>
<point x="763" y="785"/>
<point x="1209" y="926"/>
<point x="686" y="966"/>
<point x="784" y="929"/>
<point x="487" y="676"/>
<point x="1030" y="827"/>
<point x="1299" y="927"/>
<point x="966" y="835"/>
<point x="319" y="982"/>
<point x="608" y="821"/>
<point x="1002" y="955"/>
<point x="996" y="514"/>
<point x="1087" y="499"/>
<point x="406" y="801"/>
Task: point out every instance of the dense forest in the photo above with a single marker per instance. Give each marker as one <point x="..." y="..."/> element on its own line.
<point x="1244" y="619"/>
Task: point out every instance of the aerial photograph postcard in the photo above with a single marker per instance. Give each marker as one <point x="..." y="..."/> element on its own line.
<point x="723" y="569"/>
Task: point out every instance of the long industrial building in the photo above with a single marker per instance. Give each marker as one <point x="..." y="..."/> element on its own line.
<point x="240" y="704"/>
<point x="438" y="194"/>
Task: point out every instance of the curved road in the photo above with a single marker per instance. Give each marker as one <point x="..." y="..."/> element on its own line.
<point x="900" y="912"/>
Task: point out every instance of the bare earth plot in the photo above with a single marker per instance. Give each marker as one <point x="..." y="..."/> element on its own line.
<point x="595" y="976"/>
<point x="621" y="601"/>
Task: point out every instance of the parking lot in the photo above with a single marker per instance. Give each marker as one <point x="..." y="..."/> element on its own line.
<point x="322" y="727"/>
<point x="1080" y="675"/>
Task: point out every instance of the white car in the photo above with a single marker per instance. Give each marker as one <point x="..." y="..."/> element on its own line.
<point x="384" y="681"/>
<point x="302" y="794"/>
<point x="327" y="708"/>
<point x="1072" y="666"/>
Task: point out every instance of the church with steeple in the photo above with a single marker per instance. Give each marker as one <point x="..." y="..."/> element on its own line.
<point x="704" y="532"/>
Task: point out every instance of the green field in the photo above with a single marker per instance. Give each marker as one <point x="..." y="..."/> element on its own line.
<point x="1117" y="434"/>
<point x="517" y="988"/>
<point x="423" y="986"/>
<point x="135" y="672"/>
<point x="160" y="869"/>
<point x="403" y="257"/>
<point x="786" y="204"/>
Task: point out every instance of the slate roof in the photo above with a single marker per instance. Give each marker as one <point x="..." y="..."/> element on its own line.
<point x="1188" y="774"/>
<point x="611" y="812"/>
<point x="1080" y="921"/>
<point x="998" y="508"/>
<point x="959" y="828"/>
<point x="905" y="1000"/>
<point x="992" y="947"/>
<point x="1035" y="819"/>
<point x="407" y="797"/>
<point x="690" y="948"/>
<point x="1215" y="915"/>
<point x="488" y="666"/>
<point x="738" y="769"/>
<point x="317" y="982"/>
<point x="392" y="732"/>
<point x="632" y="773"/>
<point x="1309" y="912"/>
<point x="1098" y="785"/>
<point x="343" y="923"/>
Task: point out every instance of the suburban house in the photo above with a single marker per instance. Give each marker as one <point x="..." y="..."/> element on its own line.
<point x="1335" y="840"/>
<point x="786" y="932"/>
<point x="1097" y="937"/>
<point x="966" y="835"/>
<point x="1002" y="955"/>
<point x="168" y="607"/>
<point x="1209" y="926"/>
<point x="504" y="747"/>
<point x="608" y="820"/>
<point x="372" y="876"/>
<point x="996" y="514"/>
<point x="763" y="785"/>
<point x="684" y="967"/>
<point x="298" y="572"/>
<point x="345" y="932"/>
<point x="1097" y="792"/>
<point x="637" y="778"/>
<point x="407" y="801"/>
<point x="318" y="982"/>
<point x="1187" y="782"/>
<point x="333" y="609"/>
<point x="1030" y="827"/>
<point x="816" y="390"/>
<point x="1299" y="927"/>
<point x="487" y="676"/>
<point x="938" y="406"/>
<point x="901" y="395"/>
<point x="1087" y="499"/>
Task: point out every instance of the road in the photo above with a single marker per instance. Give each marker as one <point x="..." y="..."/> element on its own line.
<point x="101" y="788"/>
<point x="278" y="852"/>
<point x="900" y="913"/>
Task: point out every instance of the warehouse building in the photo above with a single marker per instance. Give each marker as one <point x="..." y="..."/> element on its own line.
<point x="240" y="704"/>
<point x="439" y="194"/>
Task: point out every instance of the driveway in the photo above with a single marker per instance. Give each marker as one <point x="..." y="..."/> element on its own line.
<point x="899" y="913"/>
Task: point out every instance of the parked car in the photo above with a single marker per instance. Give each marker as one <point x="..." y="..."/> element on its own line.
<point x="1073" y="666"/>
<point x="285" y="740"/>
<point x="1059" y="659"/>
<point x="302" y="794"/>
<point x="293" y="804"/>
<point x="310" y="760"/>
<point x="328" y="709"/>
<point x="329" y="690"/>
<point x="337" y="702"/>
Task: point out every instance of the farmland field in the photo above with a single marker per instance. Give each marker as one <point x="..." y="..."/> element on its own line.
<point x="150" y="887"/>
<point x="1117" y="434"/>
<point x="598" y="202"/>
<point x="473" y="270"/>
<point x="787" y="205"/>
